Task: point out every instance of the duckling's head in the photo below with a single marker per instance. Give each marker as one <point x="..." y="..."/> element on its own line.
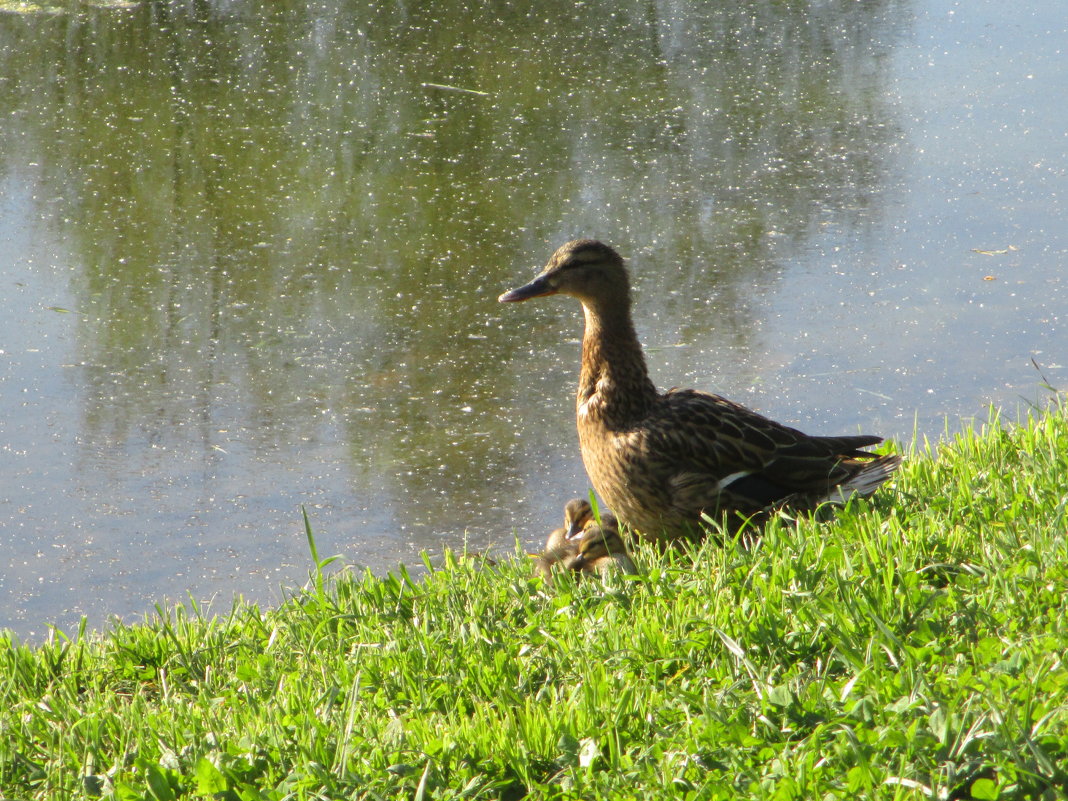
<point x="599" y="540"/>
<point x="583" y="268"/>
<point x="577" y="513"/>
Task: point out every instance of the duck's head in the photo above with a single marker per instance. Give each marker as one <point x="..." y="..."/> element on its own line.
<point x="583" y="268"/>
<point x="577" y="514"/>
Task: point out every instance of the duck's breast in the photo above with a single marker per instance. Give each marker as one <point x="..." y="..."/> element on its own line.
<point x="623" y="474"/>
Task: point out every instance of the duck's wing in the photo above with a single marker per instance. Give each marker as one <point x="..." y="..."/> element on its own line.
<point x="717" y="453"/>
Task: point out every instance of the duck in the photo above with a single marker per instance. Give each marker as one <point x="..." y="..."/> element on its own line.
<point x="601" y="549"/>
<point x="562" y="547"/>
<point x="668" y="463"/>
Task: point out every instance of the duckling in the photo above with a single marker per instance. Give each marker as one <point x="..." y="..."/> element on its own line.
<point x="601" y="549"/>
<point x="664" y="461"/>
<point x="562" y="547"/>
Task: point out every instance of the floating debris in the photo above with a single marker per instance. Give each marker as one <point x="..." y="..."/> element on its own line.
<point x="447" y="88"/>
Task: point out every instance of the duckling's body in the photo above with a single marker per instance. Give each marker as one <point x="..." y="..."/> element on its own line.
<point x="661" y="461"/>
<point x="601" y="549"/>
<point x="562" y="547"/>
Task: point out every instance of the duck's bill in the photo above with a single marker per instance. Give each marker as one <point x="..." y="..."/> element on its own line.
<point x="535" y="289"/>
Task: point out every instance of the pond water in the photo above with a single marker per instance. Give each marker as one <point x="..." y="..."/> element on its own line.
<point x="250" y="255"/>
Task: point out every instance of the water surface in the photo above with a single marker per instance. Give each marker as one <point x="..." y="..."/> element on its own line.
<point x="249" y="257"/>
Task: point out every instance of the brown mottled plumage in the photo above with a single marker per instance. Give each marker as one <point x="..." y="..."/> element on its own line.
<point x="662" y="460"/>
<point x="601" y="549"/>
<point x="562" y="547"/>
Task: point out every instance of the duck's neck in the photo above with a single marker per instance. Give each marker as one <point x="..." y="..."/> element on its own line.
<point x="614" y="382"/>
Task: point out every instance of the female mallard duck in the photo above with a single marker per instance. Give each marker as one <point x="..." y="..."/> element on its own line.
<point x="601" y="549"/>
<point x="662" y="461"/>
<point x="562" y="547"/>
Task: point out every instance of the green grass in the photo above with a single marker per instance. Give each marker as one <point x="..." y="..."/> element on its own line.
<point x="912" y="648"/>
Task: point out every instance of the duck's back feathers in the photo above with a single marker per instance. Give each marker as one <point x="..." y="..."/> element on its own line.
<point x="559" y="551"/>
<point x="713" y="454"/>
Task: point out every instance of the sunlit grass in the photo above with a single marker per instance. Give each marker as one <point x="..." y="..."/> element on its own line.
<point x="914" y="647"/>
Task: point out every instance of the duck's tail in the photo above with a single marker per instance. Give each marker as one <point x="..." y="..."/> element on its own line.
<point x="865" y="480"/>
